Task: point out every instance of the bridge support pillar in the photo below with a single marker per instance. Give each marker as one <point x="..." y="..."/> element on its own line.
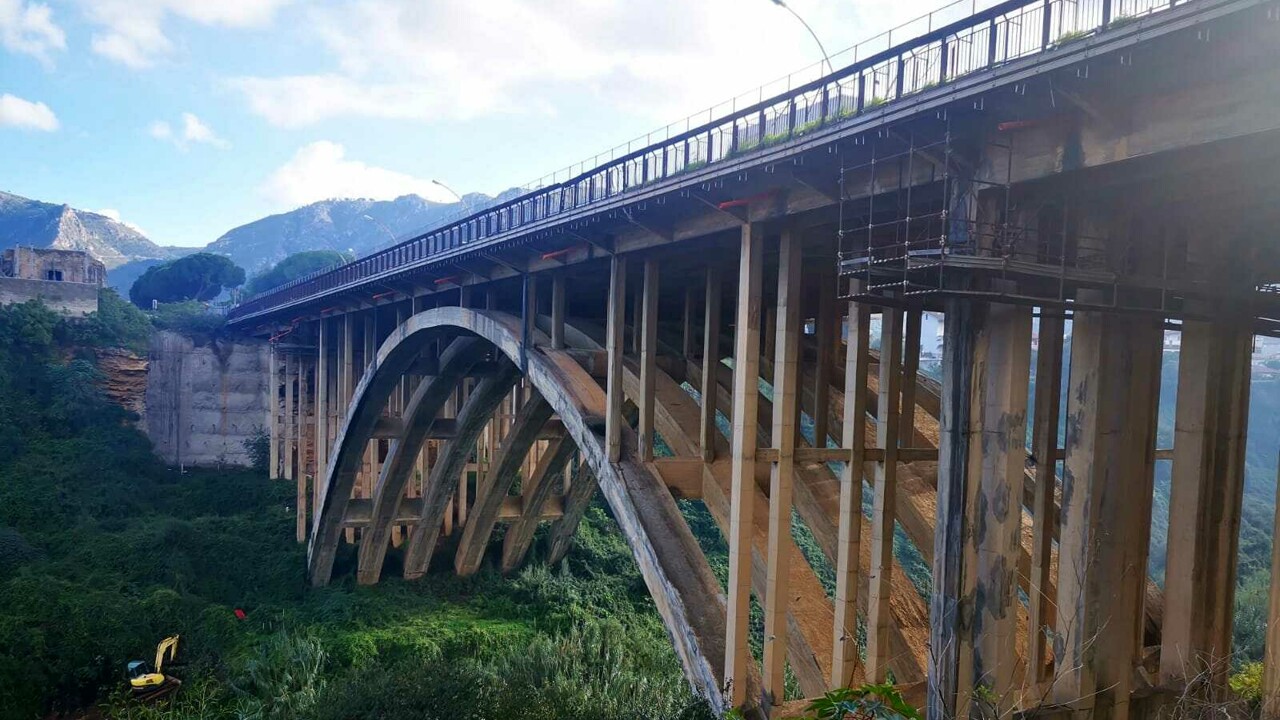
<point x="746" y="395"/>
<point x="273" y="397"/>
<point x="844" y="670"/>
<point x="1204" y="500"/>
<point x="986" y="370"/>
<point x="325" y="344"/>
<point x="1106" y="503"/>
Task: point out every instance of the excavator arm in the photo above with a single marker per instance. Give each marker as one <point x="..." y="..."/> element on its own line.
<point x="167" y="646"/>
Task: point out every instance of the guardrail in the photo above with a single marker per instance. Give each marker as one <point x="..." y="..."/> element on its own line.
<point x="775" y="113"/>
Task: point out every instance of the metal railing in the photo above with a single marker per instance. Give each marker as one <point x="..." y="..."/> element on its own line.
<point x="940" y="51"/>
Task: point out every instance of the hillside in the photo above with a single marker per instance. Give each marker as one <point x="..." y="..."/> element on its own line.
<point x="357" y="225"/>
<point x="34" y="223"/>
<point x="104" y="551"/>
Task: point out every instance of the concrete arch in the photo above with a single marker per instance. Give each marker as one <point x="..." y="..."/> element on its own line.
<point x="680" y="581"/>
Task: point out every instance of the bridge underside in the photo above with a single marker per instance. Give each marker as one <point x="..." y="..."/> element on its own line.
<point x="756" y="343"/>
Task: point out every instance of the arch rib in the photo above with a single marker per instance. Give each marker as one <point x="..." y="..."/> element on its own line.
<point x="685" y="591"/>
<point x="480" y="406"/>
<point x="538" y="488"/>
<point x="421" y="413"/>
<point x="484" y="514"/>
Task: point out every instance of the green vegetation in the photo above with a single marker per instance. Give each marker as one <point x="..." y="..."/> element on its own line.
<point x="868" y="702"/>
<point x="104" y="551"/>
<point x="202" y="276"/>
<point x="295" y="266"/>
<point x="189" y="318"/>
<point x="1070" y="37"/>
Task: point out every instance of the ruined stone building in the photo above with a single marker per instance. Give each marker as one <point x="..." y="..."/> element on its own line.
<point x="65" y="280"/>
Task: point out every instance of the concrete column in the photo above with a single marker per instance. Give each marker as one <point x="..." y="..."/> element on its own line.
<point x="273" y="404"/>
<point x="300" y="468"/>
<point x="710" y="363"/>
<point x="1041" y="615"/>
<point x="746" y="396"/>
<point x="945" y="616"/>
<point x="1206" y="489"/>
<point x="647" y="403"/>
<point x="879" y="615"/>
<point x="557" y="312"/>
<point x="290" y="378"/>
<point x="849" y="535"/>
<point x="785" y="403"/>
<point x="325" y="342"/>
<point x="1001" y="366"/>
<point x="1110" y="456"/>
<point x="613" y="344"/>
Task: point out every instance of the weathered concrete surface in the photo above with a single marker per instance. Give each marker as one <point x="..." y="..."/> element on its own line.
<point x="64" y="298"/>
<point x="204" y="402"/>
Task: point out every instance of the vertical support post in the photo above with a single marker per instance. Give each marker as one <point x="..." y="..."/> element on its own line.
<point x="290" y="376"/>
<point x="945" y="617"/>
<point x="710" y="362"/>
<point x="879" y="619"/>
<point x="613" y="346"/>
<point x="273" y="452"/>
<point x="910" y="373"/>
<point x="746" y="378"/>
<point x="1110" y="460"/>
<point x="824" y="332"/>
<point x="686" y="346"/>
<point x="300" y="468"/>
<point x="854" y="436"/>
<point x="346" y="389"/>
<point x="322" y="413"/>
<point x="1271" y="653"/>
<point x="637" y="299"/>
<point x="785" y="404"/>
<point x="557" y="312"/>
<point x="348" y="359"/>
<point x="648" y="356"/>
<point x="1206" y="489"/>
<point x="1044" y="444"/>
<point x="1001" y="366"/>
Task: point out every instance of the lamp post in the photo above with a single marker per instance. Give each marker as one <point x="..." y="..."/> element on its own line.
<point x="384" y="228"/>
<point x="825" y="58"/>
<point x="466" y="206"/>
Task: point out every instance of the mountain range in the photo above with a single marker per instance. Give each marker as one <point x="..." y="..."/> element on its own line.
<point x="355" y="225"/>
<point x="41" y="224"/>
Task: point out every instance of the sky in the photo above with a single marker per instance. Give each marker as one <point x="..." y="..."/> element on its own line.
<point x="186" y="118"/>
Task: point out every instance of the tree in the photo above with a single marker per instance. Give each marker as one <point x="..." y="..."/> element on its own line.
<point x="201" y="276"/>
<point x="296" y="266"/>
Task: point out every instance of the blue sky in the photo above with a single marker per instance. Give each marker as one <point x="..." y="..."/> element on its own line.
<point x="190" y="117"/>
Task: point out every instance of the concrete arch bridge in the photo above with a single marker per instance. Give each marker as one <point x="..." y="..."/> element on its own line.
<point x="831" y="305"/>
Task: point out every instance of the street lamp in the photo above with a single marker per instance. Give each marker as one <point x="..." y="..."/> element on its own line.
<point x="385" y="229"/>
<point x="812" y="34"/>
<point x="466" y="206"/>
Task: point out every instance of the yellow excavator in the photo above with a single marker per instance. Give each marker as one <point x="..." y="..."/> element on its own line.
<point x="150" y="682"/>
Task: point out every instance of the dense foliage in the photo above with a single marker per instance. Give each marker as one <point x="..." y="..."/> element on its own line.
<point x="296" y="266"/>
<point x="104" y="551"/>
<point x="201" y="276"/>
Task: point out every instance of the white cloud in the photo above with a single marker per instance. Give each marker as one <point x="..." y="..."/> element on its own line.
<point x="115" y="215"/>
<point x="194" y="130"/>
<point x="28" y="28"/>
<point x="321" y="170"/>
<point x="459" y="59"/>
<point x="131" y="32"/>
<point x="160" y="130"/>
<point x="27" y="115"/>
